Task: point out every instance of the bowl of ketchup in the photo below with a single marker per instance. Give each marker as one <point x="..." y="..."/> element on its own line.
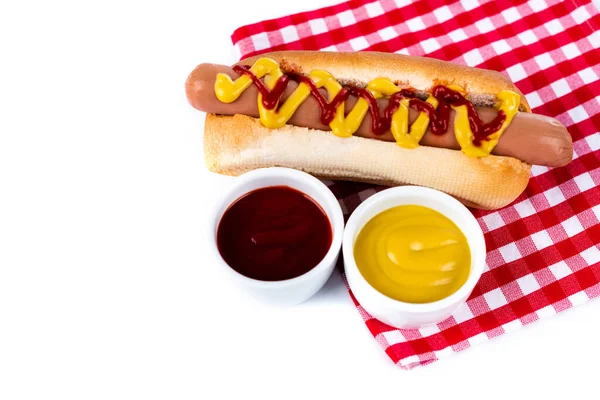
<point x="277" y="232"/>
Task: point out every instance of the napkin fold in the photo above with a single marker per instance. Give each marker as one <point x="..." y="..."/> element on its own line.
<point x="544" y="249"/>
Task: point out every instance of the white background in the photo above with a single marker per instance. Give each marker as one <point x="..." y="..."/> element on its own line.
<point x="106" y="288"/>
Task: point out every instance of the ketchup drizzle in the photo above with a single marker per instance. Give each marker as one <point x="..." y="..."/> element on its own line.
<point x="439" y="118"/>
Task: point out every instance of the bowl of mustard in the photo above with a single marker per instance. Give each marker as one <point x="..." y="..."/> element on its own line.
<point x="412" y="255"/>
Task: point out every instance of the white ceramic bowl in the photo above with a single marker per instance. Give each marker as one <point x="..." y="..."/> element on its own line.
<point x="293" y="291"/>
<point x="393" y="312"/>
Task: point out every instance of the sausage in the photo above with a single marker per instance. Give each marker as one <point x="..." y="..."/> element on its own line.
<point x="531" y="138"/>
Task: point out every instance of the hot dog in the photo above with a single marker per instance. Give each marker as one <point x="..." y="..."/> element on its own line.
<point x="526" y="132"/>
<point x="515" y="137"/>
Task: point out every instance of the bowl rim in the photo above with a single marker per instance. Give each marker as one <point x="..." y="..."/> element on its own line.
<point x="336" y="221"/>
<point x="475" y="240"/>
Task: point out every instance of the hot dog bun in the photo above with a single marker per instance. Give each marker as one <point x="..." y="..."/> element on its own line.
<point x="237" y="144"/>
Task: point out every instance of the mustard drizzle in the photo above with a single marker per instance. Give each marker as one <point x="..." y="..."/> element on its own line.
<point x="227" y="90"/>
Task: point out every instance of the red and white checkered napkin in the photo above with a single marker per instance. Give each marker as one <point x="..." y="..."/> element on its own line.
<point x="543" y="250"/>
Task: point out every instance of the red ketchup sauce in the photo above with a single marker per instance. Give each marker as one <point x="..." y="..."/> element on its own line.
<point x="273" y="234"/>
<point x="439" y="118"/>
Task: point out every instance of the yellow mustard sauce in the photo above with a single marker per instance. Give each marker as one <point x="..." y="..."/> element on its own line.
<point x="413" y="254"/>
<point x="228" y="90"/>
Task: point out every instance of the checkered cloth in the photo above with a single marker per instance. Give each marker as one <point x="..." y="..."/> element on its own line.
<point x="543" y="250"/>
